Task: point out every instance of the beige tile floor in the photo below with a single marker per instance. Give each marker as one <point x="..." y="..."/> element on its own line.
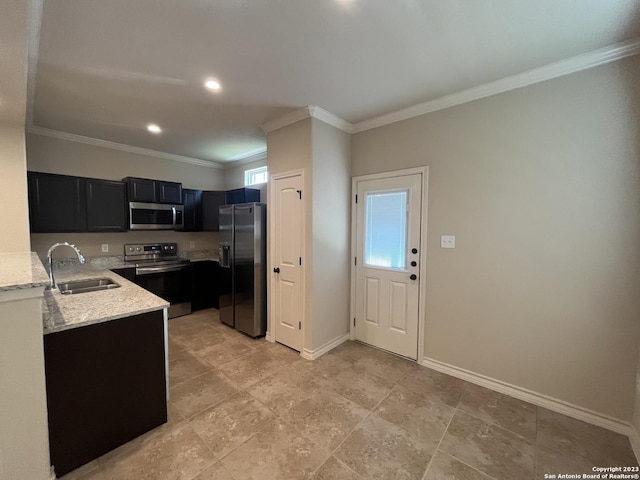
<point x="248" y="409"/>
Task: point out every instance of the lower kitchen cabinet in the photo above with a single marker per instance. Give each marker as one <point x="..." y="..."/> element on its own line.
<point x="106" y="385"/>
<point x="208" y="279"/>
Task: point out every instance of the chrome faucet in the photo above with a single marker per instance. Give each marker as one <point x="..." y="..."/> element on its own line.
<point x="51" y="249"/>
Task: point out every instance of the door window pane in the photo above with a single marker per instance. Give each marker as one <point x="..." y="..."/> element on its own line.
<point x="386" y="229"/>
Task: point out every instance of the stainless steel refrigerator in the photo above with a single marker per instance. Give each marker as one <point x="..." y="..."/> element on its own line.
<point x="243" y="235"/>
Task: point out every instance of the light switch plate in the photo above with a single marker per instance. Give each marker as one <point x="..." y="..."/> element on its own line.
<point x="192" y="244"/>
<point x="105" y="247"/>
<point x="447" y="241"/>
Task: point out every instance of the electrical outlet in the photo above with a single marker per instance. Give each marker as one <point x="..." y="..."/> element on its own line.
<point x="192" y="244"/>
<point x="447" y="241"/>
<point x="105" y="247"/>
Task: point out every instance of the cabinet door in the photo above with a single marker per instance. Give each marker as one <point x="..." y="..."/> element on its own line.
<point x="205" y="285"/>
<point x="242" y="195"/>
<point x="106" y="385"/>
<point x="141" y="190"/>
<point x="106" y="211"/>
<point x="234" y="196"/>
<point x="211" y="202"/>
<point x="169" y="192"/>
<point x="56" y="203"/>
<point x="192" y="201"/>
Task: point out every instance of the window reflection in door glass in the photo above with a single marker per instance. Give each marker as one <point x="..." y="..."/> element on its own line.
<point x="386" y="229"/>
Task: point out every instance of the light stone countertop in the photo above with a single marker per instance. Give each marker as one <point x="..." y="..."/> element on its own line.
<point x="63" y="312"/>
<point x="21" y="271"/>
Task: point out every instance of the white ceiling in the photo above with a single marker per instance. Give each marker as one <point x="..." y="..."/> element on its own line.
<point x="107" y="69"/>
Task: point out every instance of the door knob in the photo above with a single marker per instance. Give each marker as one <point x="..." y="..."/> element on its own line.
<point x="414" y="263"/>
<point x="414" y="250"/>
<point x="413" y="276"/>
<point x="276" y="270"/>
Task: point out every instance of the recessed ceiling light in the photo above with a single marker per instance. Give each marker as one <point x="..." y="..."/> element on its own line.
<point x="212" y="84"/>
<point x="153" y="128"/>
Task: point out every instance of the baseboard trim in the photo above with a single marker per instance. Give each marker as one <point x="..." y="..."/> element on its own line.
<point x="634" y="438"/>
<point x="318" y="352"/>
<point x="269" y="338"/>
<point x="535" y="398"/>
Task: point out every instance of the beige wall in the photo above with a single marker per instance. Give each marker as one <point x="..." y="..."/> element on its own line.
<point x="331" y="229"/>
<point x="635" y="423"/>
<point x="24" y="436"/>
<point x="288" y="149"/>
<point x="541" y="188"/>
<point x="13" y="190"/>
<point x="234" y="178"/>
<point x="52" y="155"/>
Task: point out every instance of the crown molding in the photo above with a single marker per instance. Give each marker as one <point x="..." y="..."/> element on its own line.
<point x="329" y="118"/>
<point x="72" y="137"/>
<point x="254" y="157"/>
<point x="286" y="119"/>
<point x="310" y="111"/>
<point x="561" y="68"/>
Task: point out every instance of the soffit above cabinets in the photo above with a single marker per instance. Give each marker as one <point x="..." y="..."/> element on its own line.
<point x="105" y="70"/>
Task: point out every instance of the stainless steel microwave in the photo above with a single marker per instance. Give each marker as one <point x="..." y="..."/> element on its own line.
<point x="155" y="216"/>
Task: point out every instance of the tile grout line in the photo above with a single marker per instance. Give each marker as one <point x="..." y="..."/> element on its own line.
<point x="364" y="419"/>
<point x="455" y="409"/>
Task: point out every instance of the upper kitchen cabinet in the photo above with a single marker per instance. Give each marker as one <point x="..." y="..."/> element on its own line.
<point x="106" y="206"/>
<point x="192" y="201"/>
<point x="56" y="203"/>
<point x="153" y="191"/>
<point x="169" y="192"/>
<point x="211" y="202"/>
<point x="242" y="195"/>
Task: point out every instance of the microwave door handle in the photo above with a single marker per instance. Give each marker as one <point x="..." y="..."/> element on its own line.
<point x="173" y="211"/>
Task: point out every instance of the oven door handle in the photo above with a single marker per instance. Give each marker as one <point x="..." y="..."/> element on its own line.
<point x="150" y="270"/>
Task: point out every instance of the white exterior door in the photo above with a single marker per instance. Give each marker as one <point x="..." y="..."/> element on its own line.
<point x="387" y="270"/>
<point x="288" y="229"/>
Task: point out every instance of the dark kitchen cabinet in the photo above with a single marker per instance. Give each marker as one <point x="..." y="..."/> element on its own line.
<point x="192" y="201"/>
<point x="211" y="202"/>
<point x="106" y="206"/>
<point x="153" y="191"/>
<point x="205" y="287"/>
<point x="242" y="195"/>
<point x="169" y="192"/>
<point x="141" y="190"/>
<point x="56" y="203"/>
<point x="128" y="272"/>
<point x="106" y="385"/>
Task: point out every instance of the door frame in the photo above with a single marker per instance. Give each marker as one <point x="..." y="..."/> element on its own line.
<point x="422" y="293"/>
<point x="271" y="220"/>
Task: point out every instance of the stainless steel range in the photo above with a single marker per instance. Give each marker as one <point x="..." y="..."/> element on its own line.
<point x="163" y="273"/>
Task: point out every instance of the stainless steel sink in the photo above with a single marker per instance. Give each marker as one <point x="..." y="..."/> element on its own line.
<point x="89" y="285"/>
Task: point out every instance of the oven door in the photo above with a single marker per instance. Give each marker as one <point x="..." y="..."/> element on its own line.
<point x="170" y="282"/>
<point x="155" y="216"/>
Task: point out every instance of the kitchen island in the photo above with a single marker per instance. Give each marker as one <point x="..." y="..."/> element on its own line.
<point x="106" y="367"/>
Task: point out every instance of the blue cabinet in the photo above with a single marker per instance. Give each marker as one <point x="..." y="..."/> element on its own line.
<point x="242" y="195"/>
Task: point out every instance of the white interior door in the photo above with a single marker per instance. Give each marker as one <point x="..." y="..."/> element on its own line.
<point x="387" y="269"/>
<point x="288" y="227"/>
